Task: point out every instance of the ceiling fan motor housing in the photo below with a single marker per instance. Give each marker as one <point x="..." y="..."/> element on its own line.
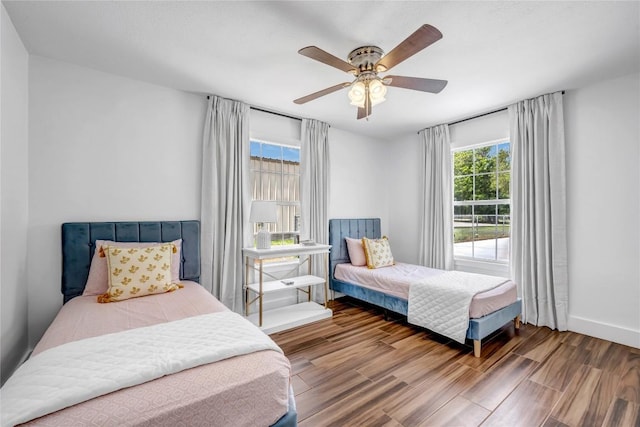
<point x="365" y="58"/>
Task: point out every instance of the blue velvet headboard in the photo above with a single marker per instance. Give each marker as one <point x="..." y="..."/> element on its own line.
<point x="356" y="228"/>
<point x="78" y="246"/>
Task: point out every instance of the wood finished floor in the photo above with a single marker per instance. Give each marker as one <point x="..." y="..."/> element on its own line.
<point x="358" y="369"/>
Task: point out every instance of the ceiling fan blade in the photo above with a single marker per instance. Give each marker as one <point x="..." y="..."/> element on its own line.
<point x="366" y="111"/>
<point x="326" y="58"/>
<point x="416" y="83"/>
<point x="421" y="38"/>
<point x="320" y="93"/>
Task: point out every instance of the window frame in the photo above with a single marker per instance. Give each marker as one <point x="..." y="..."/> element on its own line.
<point x="473" y="203"/>
<point x="283" y="174"/>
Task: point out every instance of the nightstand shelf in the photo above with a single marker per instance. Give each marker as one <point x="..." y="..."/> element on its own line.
<point x="293" y="315"/>
<point x="278" y="285"/>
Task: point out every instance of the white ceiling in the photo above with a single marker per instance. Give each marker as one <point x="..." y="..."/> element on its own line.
<point x="492" y="53"/>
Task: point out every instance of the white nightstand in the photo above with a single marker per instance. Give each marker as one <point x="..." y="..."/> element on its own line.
<point x="294" y="315"/>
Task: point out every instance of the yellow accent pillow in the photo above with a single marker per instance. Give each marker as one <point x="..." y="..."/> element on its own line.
<point x="377" y="252"/>
<point x="137" y="271"/>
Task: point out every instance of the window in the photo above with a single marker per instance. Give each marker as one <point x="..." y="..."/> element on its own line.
<point x="481" y="202"/>
<point x="275" y="175"/>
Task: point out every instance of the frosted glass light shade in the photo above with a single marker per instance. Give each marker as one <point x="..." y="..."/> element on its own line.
<point x="357" y="94"/>
<point x="377" y="91"/>
<point x="374" y="89"/>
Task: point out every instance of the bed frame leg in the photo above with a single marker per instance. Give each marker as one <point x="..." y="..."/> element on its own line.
<point x="477" y="348"/>
<point x="516" y="322"/>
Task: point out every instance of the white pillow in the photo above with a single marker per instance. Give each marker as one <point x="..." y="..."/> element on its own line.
<point x="356" y="252"/>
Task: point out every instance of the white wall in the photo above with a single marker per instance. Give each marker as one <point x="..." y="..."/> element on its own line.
<point x="14" y="187"/>
<point x="402" y="156"/>
<point x="603" y="193"/>
<point x="359" y="174"/>
<point x="102" y="147"/>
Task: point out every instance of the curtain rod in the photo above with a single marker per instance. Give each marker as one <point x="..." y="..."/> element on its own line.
<point x="480" y="115"/>
<point x="270" y="112"/>
<point x="275" y="113"/>
<point x="473" y="117"/>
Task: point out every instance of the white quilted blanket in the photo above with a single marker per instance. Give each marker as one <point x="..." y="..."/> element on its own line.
<point x="81" y="370"/>
<point x="441" y="303"/>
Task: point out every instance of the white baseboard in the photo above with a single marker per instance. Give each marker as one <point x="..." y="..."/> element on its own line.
<point x="604" y="331"/>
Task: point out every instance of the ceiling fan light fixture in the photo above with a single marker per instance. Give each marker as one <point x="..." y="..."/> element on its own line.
<point x="377" y="91"/>
<point x="357" y="94"/>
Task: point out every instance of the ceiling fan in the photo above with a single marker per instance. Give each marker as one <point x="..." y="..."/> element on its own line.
<point x="368" y="88"/>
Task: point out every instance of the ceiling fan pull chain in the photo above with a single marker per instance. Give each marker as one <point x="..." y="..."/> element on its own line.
<point x="367" y="102"/>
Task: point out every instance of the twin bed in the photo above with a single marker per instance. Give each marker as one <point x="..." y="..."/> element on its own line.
<point x="389" y="287"/>
<point x="248" y="389"/>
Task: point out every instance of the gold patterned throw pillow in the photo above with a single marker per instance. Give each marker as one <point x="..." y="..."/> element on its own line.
<point x="377" y="252"/>
<point x="137" y="271"/>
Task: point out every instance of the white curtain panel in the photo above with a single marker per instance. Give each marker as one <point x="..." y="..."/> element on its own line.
<point x="225" y="199"/>
<point x="314" y="191"/>
<point x="436" y="234"/>
<point x="538" y="210"/>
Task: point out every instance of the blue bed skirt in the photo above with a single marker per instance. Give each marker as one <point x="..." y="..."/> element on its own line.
<point x="478" y="328"/>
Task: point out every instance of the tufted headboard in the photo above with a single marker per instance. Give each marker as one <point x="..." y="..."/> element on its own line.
<point x="78" y="246"/>
<point x="356" y="228"/>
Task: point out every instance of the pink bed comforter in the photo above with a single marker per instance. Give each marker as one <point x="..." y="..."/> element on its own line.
<point x="249" y="390"/>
